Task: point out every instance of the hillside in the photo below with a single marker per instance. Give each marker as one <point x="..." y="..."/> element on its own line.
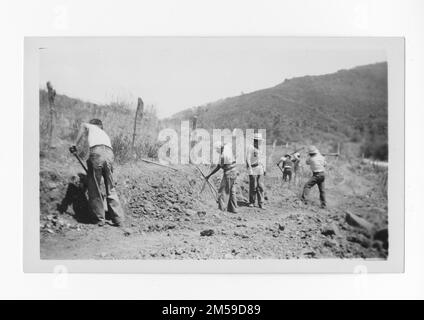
<point x="349" y="105"/>
<point x="118" y="119"/>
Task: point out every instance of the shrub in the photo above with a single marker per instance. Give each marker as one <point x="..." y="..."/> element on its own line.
<point x="121" y="145"/>
<point x="378" y="150"/>
<point x="147" y="149"/>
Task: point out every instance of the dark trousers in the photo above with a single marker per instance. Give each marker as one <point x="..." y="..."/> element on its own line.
<point x="100" y="167"/>
<point x="227" y="199"/>
<point x="256" y="188"/>
<point x="287" y="174"/>
<point x="318" y="178"/>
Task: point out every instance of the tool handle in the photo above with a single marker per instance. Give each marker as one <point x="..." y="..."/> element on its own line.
<point x="74" y="150"/>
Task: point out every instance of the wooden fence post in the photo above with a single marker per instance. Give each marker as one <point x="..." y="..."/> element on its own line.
<point x="138" y="111"/>
<point x="192" y="138"/>
<point x="51" y="94"/>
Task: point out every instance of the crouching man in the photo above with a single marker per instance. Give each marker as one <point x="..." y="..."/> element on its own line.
<point x="317" y="163"/>
<point x="100" y="165"/>
<point x="227" y="199"/>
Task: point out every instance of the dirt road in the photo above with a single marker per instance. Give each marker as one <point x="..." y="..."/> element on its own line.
<point x="167" y="217"/>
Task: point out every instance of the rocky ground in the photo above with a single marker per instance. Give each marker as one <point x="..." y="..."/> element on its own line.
<point x="168" y="216"/>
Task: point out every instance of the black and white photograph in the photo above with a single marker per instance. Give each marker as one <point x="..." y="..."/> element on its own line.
<point x="211" y="157"/>
<point x="215" y="148"/>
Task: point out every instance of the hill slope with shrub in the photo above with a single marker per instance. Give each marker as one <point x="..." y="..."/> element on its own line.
<point x="348" y="105"/>
<point x="117" y="117"/>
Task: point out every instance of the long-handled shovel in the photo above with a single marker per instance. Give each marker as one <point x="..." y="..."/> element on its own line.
<point x="73" y="150"/>
<point x="280" y="169"/>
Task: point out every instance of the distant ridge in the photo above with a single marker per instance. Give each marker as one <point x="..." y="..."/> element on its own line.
<point x="345" y="105"/>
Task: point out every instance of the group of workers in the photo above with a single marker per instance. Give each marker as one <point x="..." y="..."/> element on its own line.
<point x="256" y="170"/>
<point x="100" y="167"/>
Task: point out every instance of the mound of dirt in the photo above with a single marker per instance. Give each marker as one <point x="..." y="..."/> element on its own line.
<point x="159" y="196"/>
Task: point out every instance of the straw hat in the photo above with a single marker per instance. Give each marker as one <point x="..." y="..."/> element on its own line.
<point x="312" y="150"/>
<point x="258" y="136"/>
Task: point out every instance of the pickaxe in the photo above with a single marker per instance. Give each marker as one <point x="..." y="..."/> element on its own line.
<point x="213" y="190"/>
<point x="296" y="151"/>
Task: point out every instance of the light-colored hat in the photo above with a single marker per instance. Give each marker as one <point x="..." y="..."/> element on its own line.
<point x="312" y="150"/>
<point x="257" y="136"/>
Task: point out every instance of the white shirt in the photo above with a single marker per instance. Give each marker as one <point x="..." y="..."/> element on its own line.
<point x="96" y="136"/>
<point x="316" y="162"/>
<point x="254" y="156"/>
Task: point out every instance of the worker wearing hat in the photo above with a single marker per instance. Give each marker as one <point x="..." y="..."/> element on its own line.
<point x="287" y="165"/>
<point x="256" y="170"/>
<point x="317" y="163"/>
<point x="227" y="199"/>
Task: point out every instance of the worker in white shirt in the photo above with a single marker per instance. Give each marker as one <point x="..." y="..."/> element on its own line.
<point x="100" y="165"/>
<point x="227" y="199"/>
<point x="317" y="163"/>
<point x="256" y="170"/>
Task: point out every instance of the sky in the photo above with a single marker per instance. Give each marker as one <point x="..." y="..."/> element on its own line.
<point x="178" y="73"/>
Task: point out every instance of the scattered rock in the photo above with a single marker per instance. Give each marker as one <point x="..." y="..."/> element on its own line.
<point x="51" y="185"/>
<point x="330" y="243"/>
<point x="360" y="239"/>
<point x="207" y="233"/>
<point x="357" y="221"/>
<point x="281" y="227"/>
<point x="201" y="214"/>
<point x="243" y="236"/>
<point x="328" y="231"/>
<point x="310" y="254"/>
<point x="190" y="212"/>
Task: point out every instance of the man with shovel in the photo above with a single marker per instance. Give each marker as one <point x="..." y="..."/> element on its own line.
<point x="227" y="199"/>
<point x="100" y="165"/>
